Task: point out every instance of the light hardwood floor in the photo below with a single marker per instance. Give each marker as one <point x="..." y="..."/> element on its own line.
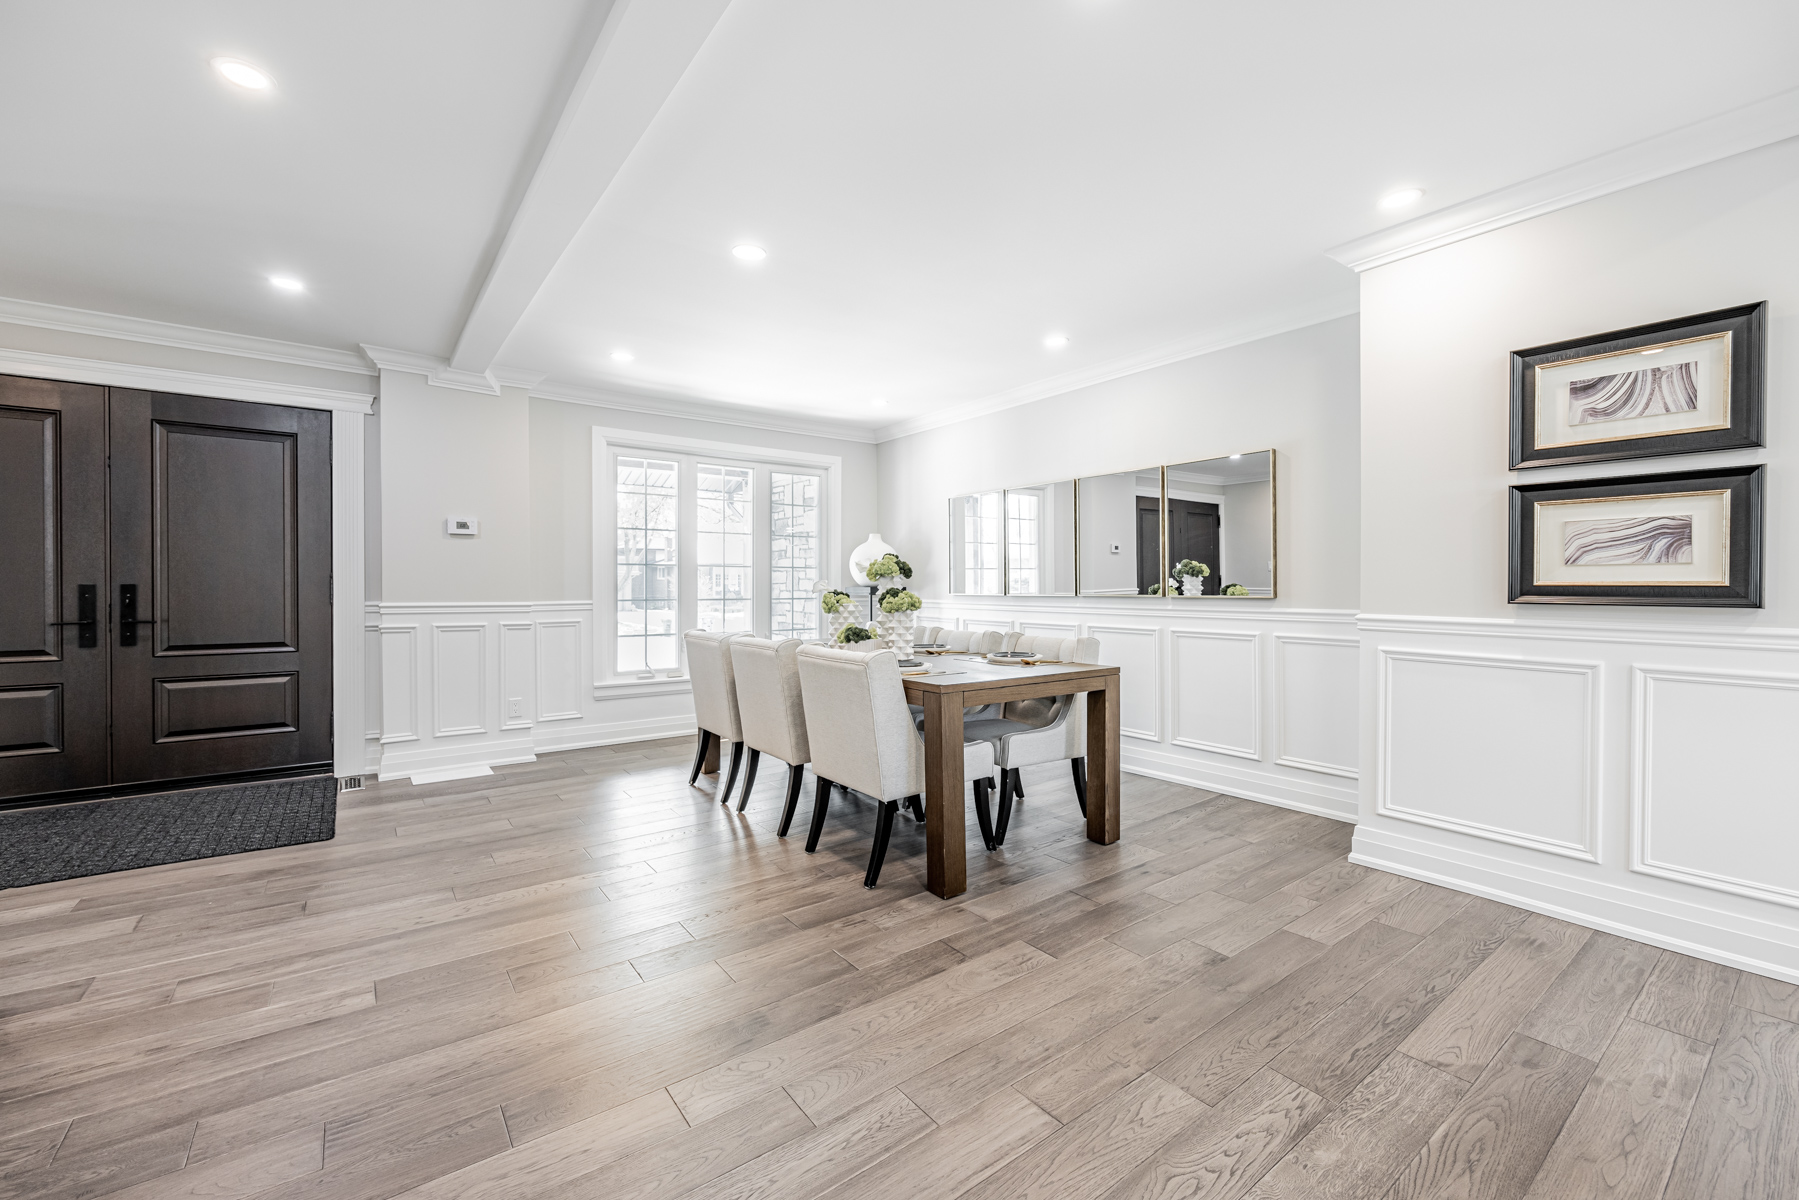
<point x="579" y="977"/>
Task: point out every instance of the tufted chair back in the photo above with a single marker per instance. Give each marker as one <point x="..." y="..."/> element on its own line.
<point x="714" y="683"/>
<point x="768" y="697"/>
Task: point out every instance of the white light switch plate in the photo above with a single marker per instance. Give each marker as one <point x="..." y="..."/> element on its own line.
<point x="462" y="526"/>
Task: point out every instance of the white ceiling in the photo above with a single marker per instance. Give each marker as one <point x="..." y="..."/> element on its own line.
<point x="939" y="184"/>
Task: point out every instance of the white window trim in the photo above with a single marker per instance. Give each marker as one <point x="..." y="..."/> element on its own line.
<point x="607" y="445"/>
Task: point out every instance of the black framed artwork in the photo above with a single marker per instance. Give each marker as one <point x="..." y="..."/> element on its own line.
<point x="1674" y="387"/>
<point x="1688" y="539"/>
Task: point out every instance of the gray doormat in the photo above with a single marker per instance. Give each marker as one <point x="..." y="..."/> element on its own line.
<point x="40" y="845"/>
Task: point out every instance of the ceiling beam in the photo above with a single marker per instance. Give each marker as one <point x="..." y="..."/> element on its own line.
<point x="642" y="51"/>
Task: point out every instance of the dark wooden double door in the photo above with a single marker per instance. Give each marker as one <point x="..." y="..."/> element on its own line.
<point x="165" y="605"/>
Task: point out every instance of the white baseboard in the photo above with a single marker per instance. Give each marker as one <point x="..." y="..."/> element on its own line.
<point x="448" y="773"/>
<point x="549" y="739"/>
<point x="1692" y="929"/>
<point x="496" y="753"/>
<point x="1249" y="782"/>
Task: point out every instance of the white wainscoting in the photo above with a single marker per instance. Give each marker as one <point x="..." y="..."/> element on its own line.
<point x="1202" y="684"/>
<point x="1633" y="778"/>
<point x="489" y="684"/>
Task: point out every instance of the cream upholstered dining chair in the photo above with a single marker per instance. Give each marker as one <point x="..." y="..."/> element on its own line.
<point x="863" y="739"/>
<point x="1044" y="730"/>
<point x="714" y="701"/>
<point x="772" y="716"/>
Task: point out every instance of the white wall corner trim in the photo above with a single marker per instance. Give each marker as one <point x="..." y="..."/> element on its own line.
<point x="1460" y="734"/>
<point x="180" y="337"/>
<point x="1742" y="129"/>
<point x="107" y="373"/>
<point x="1705" y="818"/>
<point x="1206" y="342"/>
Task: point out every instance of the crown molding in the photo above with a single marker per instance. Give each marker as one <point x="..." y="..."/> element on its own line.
<point x="164" y="379"/>
<point x="1297" y="316"/>
<point x="441" y="374"/>
<point x="638" y="399"/>
<point x="1742" y="129"/>
<point x="181" y="337"/>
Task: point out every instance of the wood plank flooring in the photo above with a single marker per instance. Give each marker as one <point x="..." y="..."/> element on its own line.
<point x="581" y="977"/>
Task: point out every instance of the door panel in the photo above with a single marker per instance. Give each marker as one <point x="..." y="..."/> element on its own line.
<point x="221" y="515"/>
<point x="1149" y="545"/>
<point x="53" y="687"/>
<point x="225" y="504"/>
<point x="1193" y="533"/>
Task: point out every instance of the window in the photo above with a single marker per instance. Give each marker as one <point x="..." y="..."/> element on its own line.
<point x="1022" y="523"/>
<point x="981" y="547"/>
<point x="706" y="540"/>
<point x="793" y="554"/>
<point x="724" y="558"/>
<point x="648" y="565"/>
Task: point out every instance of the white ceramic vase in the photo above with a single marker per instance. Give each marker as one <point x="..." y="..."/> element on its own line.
<point x="835" y="622"/>
<point x="869" y="551"/>
<point x="896" y="631"/>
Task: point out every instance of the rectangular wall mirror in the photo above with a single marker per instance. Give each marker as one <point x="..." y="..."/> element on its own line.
<point x="1220" y="523"/>
<point x="977" y="549"/>
<point x="1120" y="533"/>
<point x="1040" y="540"/>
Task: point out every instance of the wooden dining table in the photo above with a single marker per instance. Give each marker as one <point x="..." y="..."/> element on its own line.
<point x="959" y="682"/>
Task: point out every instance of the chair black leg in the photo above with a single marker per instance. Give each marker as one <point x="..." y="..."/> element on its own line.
<point x="915" y="806"/>
<point x="983" y="811"/>
<point x="820" y="800"/>
<point x="1080" y="781"/>
<point x="1017" y="784"/>
<point x="724" y="793"/>
<point x="699" y="759"/>
<point x="1004" y="815"/>
<point x="795" y="775"/>
<point x="883" y="830"/>
<point x="749" y="780"/>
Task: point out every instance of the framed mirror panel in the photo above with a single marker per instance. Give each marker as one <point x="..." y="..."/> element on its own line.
<point x="977" y="548"/>
<point x="1040" y="540"/>
<point x="1219" y="520"/>
<point x="1118" y="529"/>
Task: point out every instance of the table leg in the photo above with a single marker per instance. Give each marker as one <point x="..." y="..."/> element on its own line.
<point x="945" y="830"/>
<point x="1102" y="763"/>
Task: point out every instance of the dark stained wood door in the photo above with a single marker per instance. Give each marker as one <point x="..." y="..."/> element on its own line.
<point x="221" y="553"/>
<point x="1193" y="533"/>
<point x="53" y="674"/>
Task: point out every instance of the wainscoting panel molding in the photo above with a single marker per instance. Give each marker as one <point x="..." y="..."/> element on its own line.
<point x="1722" y="821"/>
<point x="502" y="683"/>
<point x="1216" y="691"/>
<point x="1314" y="687"/>
<point x="559" y="671"/>
<point x="1512" y="757"/>
<point x="458" y="678"/>
<point x="1199" y="689"/>
<point x="1629" y="775"/>
<point x="1137" y="651"/>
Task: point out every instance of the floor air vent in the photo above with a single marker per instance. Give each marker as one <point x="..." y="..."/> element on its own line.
<point x="349" y="783"/>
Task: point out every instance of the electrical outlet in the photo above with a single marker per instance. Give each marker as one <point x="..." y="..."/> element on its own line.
<point x="518" y="708"/>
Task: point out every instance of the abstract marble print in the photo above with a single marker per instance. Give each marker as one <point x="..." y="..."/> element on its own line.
<point x="1649" y="392"/>
<point x="1629" y="541"/>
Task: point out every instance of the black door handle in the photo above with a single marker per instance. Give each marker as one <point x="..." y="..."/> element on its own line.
<point x="128" y="618"/>
<point x="87" y="608"/>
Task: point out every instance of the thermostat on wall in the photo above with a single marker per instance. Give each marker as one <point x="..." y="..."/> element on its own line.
<point x="462" y="526"/>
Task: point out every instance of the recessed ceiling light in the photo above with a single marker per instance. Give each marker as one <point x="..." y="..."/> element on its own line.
<point x="287" y="283"/>
<point x="1236" y="456"/>
<point x="879" y="402"/>
<point x="749" y="253"/>
<point x="243" y="74"/>
<point x="1056" y="341"/>
<point x="1657" y="350"/>
<point x="1402" y="198"/>
<point x="622" y="356"/>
